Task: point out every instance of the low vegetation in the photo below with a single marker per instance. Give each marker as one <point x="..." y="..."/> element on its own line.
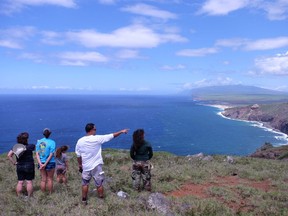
<point x="192" y="185"/>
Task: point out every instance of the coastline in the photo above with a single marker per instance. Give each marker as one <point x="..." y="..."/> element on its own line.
<point x="281" y="136"/>
<point x="219" y="106"/>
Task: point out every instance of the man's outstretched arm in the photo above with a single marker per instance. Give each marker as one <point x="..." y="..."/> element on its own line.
<point x="116" y="134"/>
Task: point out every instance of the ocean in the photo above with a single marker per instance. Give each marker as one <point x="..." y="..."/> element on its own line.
<point x="175" y="124"/>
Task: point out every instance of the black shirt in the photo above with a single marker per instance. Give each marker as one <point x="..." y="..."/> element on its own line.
<point x="27" y="156"/>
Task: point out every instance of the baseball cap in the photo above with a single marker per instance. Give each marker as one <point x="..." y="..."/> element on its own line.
<point x="46" y="130"/>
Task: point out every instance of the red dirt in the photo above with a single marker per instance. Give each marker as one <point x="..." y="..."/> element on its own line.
<point x="229" y="182"/>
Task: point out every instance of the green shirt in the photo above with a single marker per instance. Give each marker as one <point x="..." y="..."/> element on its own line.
<point x="143" y="153"/>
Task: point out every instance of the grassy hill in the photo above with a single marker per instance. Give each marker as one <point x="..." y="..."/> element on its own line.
<point x="191" y="185"/>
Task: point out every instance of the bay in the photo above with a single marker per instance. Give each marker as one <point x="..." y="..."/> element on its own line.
<point x="174" y="124"/>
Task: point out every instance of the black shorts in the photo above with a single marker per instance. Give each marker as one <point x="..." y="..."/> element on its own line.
<point x="25" y="171"/>
<point x="60" y="169"/>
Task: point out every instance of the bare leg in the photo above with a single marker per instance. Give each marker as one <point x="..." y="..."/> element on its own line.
<point x="64" y="179"/>
<point x="50" y="175"/>
<point x="100" y="191"/>
<point x="59" y="178"/>
<point x="85" y="191"/>
<point x="19" y="188"/>
<point x="43" y="180"/>
<point x="29" y="185"/>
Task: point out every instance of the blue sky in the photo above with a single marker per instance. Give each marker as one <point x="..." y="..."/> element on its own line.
<point x="142" y="47"/>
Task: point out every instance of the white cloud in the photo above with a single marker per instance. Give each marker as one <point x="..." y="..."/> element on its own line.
<point x="107" y="1"/>
<point x="260" y="44"/>
<point x="45" y="87"/>
<point x="81" y="58"/>
<point x="10" y="44"/>
<point x="63" y="87"/>
<point x="218" y="81"/>
<point x="275" y="10"/>
<point x="73" y="63"/>
<point x="222" y="7"/>
<point x="234" y="42"/>
<point x="143" y="89"/>
<point x="63" y="3"/>
<point x="32" y="56"/>
<point x="275" y="65"/>
<point x="197" y="52"/>
<point x="173" y="68"/>
<point x="134" y="36"/>
<point x="140" y="89"/>
<point x="40" y="87"/>
<point x="127" y="54"/>
<point x="22" y="32"/>
<point x="281" y="88"/>
<point x="11" y="6"/>
<point x="129" y="37"/>
<point x="269" y="43"/>
<point x="52" y="38"/>
<point x="148" y="10"/>
<point x="13" y="37"/>
<point x="214" y="82"/>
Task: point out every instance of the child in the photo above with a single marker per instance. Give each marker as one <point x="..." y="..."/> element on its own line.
<point x="61" y="164"/>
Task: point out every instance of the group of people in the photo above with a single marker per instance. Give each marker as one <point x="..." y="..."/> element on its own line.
<point x="47" y="162"/>
<point x="90" y="161"/>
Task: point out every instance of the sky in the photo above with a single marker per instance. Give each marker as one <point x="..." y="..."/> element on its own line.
<point x="142" y="47"/>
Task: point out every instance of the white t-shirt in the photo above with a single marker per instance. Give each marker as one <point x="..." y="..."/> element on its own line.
<point x="89" y="148"/>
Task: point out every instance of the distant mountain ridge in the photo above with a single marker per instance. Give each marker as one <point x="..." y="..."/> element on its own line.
<point x="237" y="94"/>
<point x="234" y="89"/>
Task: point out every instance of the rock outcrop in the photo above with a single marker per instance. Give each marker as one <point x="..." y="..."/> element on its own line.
<point x="271" y="115"/>
<point x="268" y="151"/>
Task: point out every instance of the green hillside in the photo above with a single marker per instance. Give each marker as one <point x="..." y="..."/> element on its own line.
<point x="206" y="185"/>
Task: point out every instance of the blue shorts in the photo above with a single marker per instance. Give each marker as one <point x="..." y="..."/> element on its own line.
<point x="49" y="166"/>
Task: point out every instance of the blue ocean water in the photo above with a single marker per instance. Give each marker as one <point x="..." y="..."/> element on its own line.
<point x="175" y="124"/>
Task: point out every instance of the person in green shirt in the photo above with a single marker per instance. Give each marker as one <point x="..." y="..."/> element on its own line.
<point x="141" y="152"/>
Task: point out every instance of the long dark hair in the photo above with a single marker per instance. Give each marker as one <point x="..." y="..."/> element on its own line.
<point x="23" y="138"/>
<point x="138" y="138"/>
<point x="60" y="150"/>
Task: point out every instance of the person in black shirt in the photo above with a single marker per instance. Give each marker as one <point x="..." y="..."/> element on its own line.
<point x="25" y="164"/>
<point x="141" y="152"/>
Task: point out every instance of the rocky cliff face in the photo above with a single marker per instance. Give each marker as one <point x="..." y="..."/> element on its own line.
<point x="268" y="151"/>
<point x="271" y="115"/>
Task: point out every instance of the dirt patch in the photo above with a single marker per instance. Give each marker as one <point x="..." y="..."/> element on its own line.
<point x="230" y="183"/>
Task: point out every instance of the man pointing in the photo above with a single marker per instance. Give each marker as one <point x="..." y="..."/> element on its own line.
<point x="89" y="156"/>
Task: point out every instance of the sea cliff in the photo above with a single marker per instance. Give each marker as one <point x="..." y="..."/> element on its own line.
<point x="270" y="115"/>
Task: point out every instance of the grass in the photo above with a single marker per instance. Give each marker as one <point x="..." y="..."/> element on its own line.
<point x="170" y="173"/>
